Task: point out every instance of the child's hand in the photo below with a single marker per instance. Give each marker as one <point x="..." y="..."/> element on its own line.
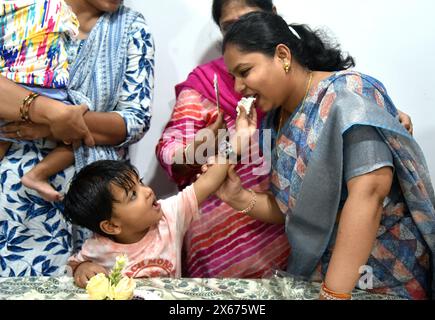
<point x="86" y="271"/>
<point x="231" y="186"/>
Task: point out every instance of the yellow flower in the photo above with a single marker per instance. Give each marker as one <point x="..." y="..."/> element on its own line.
<point x="98" y="287"/>
<point x="124" y="289"/>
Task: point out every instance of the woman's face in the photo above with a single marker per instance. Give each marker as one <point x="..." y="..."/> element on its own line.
<point x="257" y="75"/>
<point x="105" y="5"/>
<point x="232" y="11"/>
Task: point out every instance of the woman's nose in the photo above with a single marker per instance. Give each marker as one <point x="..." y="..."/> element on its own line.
<point x="239" y="86"/>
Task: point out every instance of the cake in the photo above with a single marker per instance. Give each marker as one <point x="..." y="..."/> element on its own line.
<point x="246" y="103"/>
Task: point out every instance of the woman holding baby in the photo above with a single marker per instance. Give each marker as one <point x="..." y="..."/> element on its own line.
<point x="112" y="67"/>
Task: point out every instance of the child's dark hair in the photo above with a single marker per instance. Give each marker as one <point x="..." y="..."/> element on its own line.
<point x="89" y="199"/>
<point x="218" y="5"/>
<point x="264" y="31"/>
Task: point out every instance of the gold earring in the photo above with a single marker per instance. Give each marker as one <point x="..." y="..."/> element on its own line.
<point x="286" y="67"/>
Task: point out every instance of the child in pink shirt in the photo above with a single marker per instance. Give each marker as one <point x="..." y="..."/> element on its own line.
<point x="108" y="198"/>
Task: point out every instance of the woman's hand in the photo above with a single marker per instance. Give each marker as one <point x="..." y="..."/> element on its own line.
<point x="85" y="271"/>
<point x="246" y="124"/>
<point x="214" y="129"/>
<point x="25" y="131"/>
<point x="231" y="187"/>
<point x="406" y="121"/>
<point x="67" y="124"/>
<point x="206" y="139"/>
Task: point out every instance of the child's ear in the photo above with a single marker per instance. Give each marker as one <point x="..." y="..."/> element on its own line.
<point x="110" y="228"/>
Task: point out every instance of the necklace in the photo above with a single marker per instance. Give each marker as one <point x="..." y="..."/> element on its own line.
<point x="281" y="116"/>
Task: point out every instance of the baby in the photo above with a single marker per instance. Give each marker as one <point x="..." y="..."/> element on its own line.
<point x="34" y="35"/>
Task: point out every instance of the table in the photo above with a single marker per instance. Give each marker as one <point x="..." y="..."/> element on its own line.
<point x="276" y="288"/>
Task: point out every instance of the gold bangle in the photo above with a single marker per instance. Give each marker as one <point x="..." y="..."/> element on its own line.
<point x="252" y="203"/>
<point x="25" y="107"/>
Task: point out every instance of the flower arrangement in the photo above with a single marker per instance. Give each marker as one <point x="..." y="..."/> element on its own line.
<point x="115" y="286"/>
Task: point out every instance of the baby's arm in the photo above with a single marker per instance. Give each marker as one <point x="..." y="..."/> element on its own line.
<point x="84" y="271"/>
<point x="4" y="147"/>
<point x="209" y="182"/>
<point x="82" y="266"/>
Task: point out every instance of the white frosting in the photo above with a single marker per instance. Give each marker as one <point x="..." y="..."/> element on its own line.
<point x="245" y="103"/>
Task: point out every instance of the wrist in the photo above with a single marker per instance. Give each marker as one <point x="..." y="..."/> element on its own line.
<point x="74" y="265"/>
<point x="45" y="110"/>
<point x="252" y="202"/>
<point x="328" y="294"/>
<point x="240" y="200"/>
<point x="240" y="141"/>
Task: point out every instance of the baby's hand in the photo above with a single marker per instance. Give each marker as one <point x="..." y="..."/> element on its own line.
<point x="85" y="271"/>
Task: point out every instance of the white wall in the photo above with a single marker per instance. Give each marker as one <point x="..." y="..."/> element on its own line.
<point x="392" y="40"/>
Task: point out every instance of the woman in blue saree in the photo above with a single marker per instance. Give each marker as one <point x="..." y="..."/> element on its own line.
<point x="112" y="72"/>
<point x="349" y="182"/>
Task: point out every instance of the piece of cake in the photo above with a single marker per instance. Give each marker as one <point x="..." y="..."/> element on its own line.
<point x="246" y="103"/>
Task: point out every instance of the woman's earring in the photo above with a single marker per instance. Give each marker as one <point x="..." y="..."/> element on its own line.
<point x="286" y="67"/>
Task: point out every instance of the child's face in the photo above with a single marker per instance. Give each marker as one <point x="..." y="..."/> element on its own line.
<point x="136" y="209"/>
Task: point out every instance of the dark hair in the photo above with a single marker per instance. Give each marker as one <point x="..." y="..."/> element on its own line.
<point x="216" y="10"/>
<point x="89" y="199"/>
<point x="263" y="32"/>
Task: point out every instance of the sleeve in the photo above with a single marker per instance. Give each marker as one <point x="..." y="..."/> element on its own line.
<point x="97" y="249"/>
<point x="364" y="151"/>
<point x="136" y="95"/>
<point x="191" y="114"/>
<point x="82" y="255"/>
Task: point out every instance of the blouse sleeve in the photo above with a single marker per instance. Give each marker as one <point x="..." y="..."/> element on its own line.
<point x="364" y="152"/>
<point x="136" y="94"/>
<point x="192" y="112"/>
